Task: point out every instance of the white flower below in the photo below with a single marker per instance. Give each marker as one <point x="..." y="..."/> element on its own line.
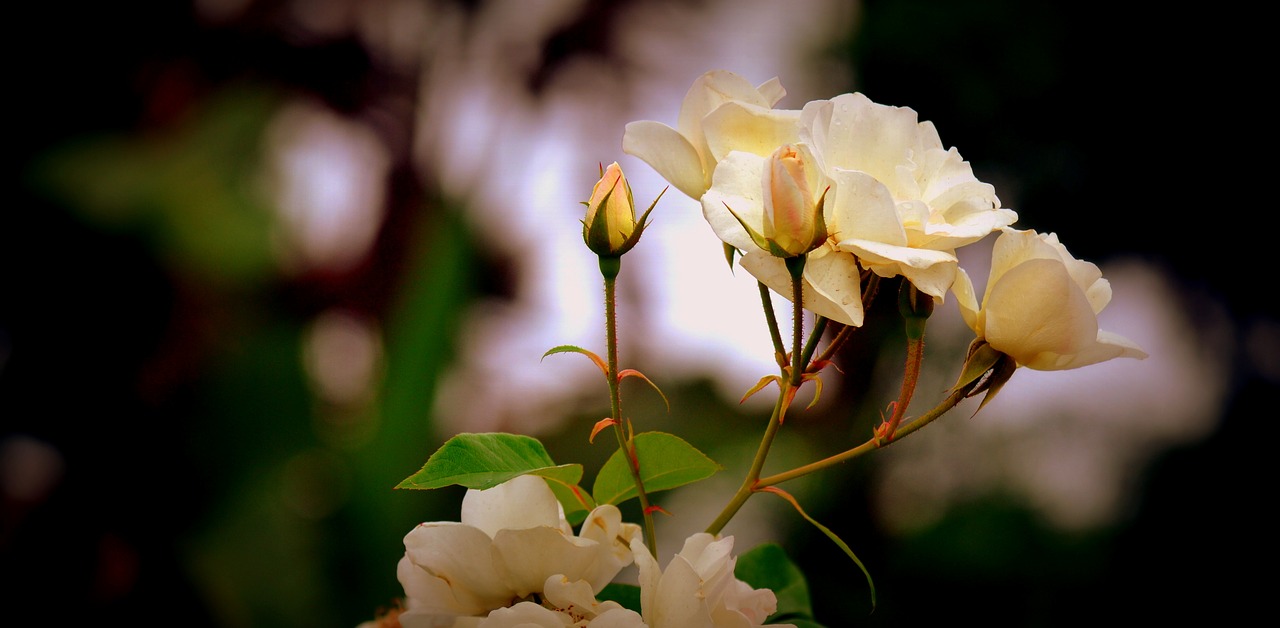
<point x="512" y="540"/>
<point x="698" y="588"/>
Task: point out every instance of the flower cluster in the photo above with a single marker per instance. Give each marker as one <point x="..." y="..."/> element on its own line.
<point x="895" y="201"/>
<point x="817" y="201"/>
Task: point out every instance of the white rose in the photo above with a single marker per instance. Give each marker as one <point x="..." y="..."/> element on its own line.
<point x="698" y="588"/>
<point x="899" y="201"/>
<point x="511" y="539"/>
<point x="565" y="604"/>
<point x="1041" y="305"/>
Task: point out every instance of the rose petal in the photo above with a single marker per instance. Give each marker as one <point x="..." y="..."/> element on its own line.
<point x="1036" y="313"/>
<point x="863" y="208"/>
<point x="523" y="502"/>
<point x="737" y="185"/>
<point x="868" y="137"/>
<point x="669" y="153"/>
<point x="526" y="557"/>
<point x="461" y="555"/>
<point x="836" y="295"/>
<point x="759" y="130"/>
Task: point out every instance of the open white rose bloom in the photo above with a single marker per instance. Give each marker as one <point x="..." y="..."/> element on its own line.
<point x="816" y="200"/>
<point x="698" y="588"/>
<point x="897" y="201"/>
<point x="722" y="112"/>
<point x="902" y="203"/>
<point x="512" y="541"/>
<point x="1041" y="305"/>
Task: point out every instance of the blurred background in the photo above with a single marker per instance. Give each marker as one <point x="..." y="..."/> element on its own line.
<point x="262" y="257"/>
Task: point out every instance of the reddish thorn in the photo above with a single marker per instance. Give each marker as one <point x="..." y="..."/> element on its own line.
<point x="652" y="509"/>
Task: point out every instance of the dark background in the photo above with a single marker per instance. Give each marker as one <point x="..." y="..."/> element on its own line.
<point x="165" y="376"/>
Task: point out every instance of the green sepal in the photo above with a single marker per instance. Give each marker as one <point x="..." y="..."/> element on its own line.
<point x="986" y="370"/>
<point x="980" y="360"/>
<point x="820" y="226"/>
<point x="641" y="225"/>
<point x="596" y="234"/>
<point x="915" y="308"/>
<point x="1000" y="375"/>
<point x="730" y="252"/>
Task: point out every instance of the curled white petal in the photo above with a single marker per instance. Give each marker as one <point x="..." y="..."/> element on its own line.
<point x="523" y="502"/>
<point x="1040" y="305"/>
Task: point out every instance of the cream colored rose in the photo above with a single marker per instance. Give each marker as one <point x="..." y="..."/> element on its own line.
<point x="565" y="605"/>
<point x="1041" y="305"/>
<point x="722" y="112"/>
<point x="511" y="539"/>
<point x="900" y="201"/>
<point x="698" y="588"/>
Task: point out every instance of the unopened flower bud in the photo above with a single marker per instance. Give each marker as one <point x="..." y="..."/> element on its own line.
<point x="790" y="219"/>
<point x="611" y="214"/>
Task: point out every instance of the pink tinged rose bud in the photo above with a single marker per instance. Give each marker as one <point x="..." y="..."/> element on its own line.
<point x="611" y="214"/>
<point x="790" y="213"/>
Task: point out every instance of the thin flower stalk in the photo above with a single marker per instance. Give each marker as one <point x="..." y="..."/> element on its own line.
<point x="788" y="384"/>
<point x="873" y="443"/>
<point x="625" y="434"/>
<point x="766" y="300"/>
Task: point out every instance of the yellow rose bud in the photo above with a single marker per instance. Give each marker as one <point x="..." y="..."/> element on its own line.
<point x="611" y="214"/>
<point x="790" y="213"/>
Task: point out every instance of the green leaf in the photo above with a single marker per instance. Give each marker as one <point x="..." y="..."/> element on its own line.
<point x="483" y="461"/>
<point x="767" y="567"/>
<point x="628" y="595"/>
<point x="804" y="623"/>
<point x="599" y="361"/>
<point x="666" y="462"/>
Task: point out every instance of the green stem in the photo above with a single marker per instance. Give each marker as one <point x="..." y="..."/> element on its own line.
<point x="767" y="301"/>
<point x="819" y="328"/>
<point x="609" y="268"/>
<point x="787" y="387"/>
<point x="749" y="482"/>
<point x="795" y="266"/>
<point x="947" y="404"/>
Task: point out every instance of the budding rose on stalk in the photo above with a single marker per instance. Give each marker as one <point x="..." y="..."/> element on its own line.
<point x="610" y="228"/>
<point x="611" y="213"/>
